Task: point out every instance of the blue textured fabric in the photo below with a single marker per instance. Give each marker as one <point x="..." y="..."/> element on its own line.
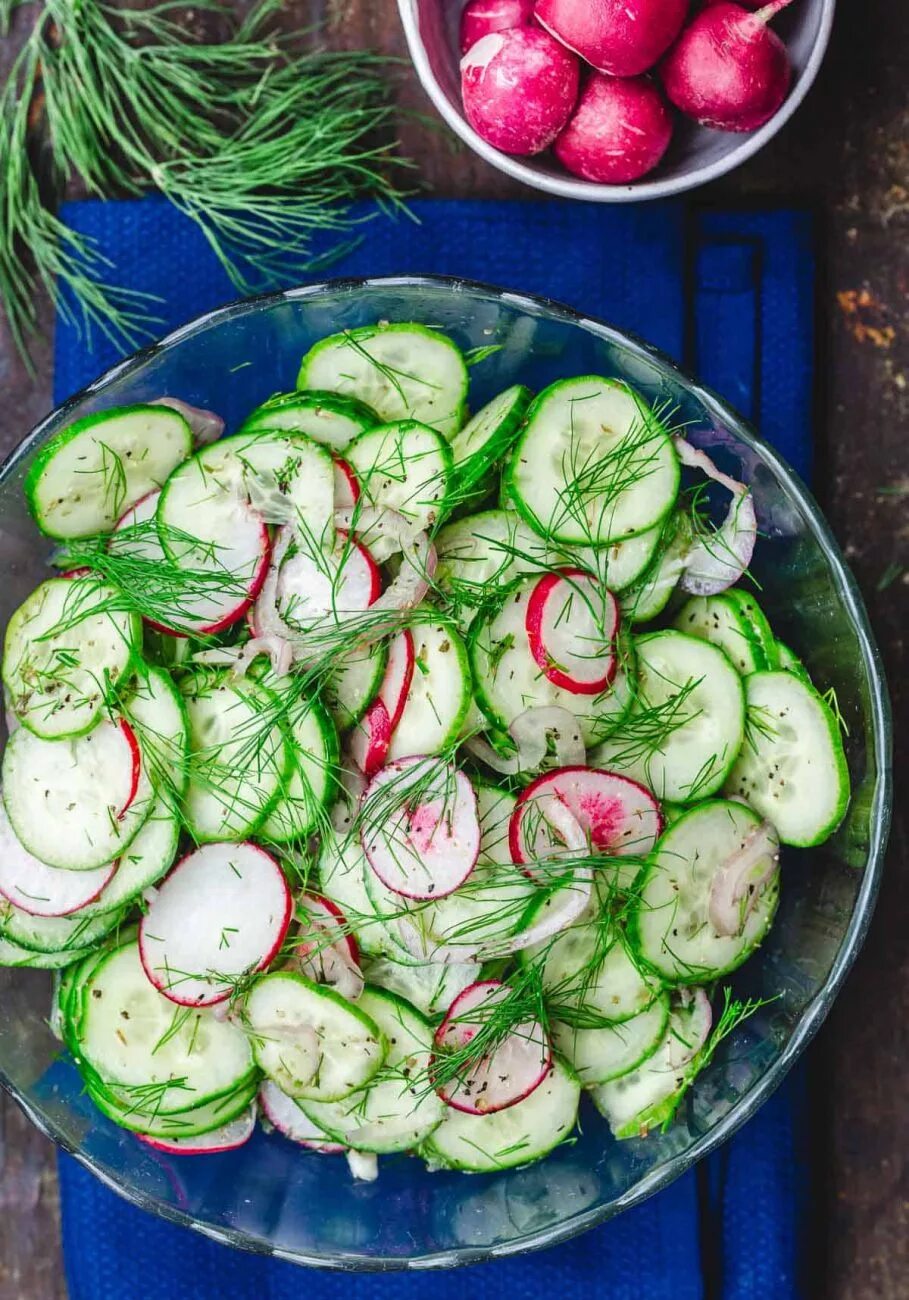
<point x="731" y="295"/>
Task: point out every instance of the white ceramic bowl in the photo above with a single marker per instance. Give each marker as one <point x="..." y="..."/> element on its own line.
<point x="696" y="156"/>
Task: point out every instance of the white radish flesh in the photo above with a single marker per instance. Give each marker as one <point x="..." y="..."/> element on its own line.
<point x="196" y="955"/>
<point x="420" y="827"/>
<point x="398" y="676"/>
<point x="236" y="1133"/>
<point x="41" y="890"/>
<point x="370" y="739"/>
<point x="286" y="1116"/>
<point x="313" y="587"/>
<point x="617" y="815"/>
<point x="347" y="489"/>
<point x="571" y="623"/>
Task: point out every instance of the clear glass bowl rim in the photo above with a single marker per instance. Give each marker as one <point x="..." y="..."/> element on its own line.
<point x="880" y="741"/>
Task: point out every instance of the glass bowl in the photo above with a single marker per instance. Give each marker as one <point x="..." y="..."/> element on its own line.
<point x="272" y="1197"/>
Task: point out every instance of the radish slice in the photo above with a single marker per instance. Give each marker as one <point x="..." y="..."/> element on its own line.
<point x="715" y="562"/>
<point x="370" y="739"/>
<point x="617" y="816"/>
<point x="315" y="586"/>
<point x="502" y="1076"/>
<point x="286" y="1116"/>
<point x="195" y="954"/>
<point x="398" y="676"/>
<point x="420" y="827"/>
<point x="206" y="426"/>
<point x="325" y="950"/>
<point x="698" y="1021"/>
<point x="571" y="622"/>
<point x="736" y="887"/>
<point x="228" y="1137"/>
<point x="347" y="488"/>
<point x="41" y="890"/>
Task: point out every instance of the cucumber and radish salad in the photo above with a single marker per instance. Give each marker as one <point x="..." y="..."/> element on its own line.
<point x="394" y="773"/>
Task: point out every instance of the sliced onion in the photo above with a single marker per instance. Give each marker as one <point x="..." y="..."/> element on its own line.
<point x="324" y="951"/>
<point x="738" y="883"/>
<point x="240" y="658"/>
<point x="716" y="562"/>
<point x="206" y="426"/>
<point x="698" y="1023"/>
<point x="363" y="1165"/>
<point x="531" y="731"/>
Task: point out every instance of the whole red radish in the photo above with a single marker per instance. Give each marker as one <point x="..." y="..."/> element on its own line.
<point x="519" y="88"/>
<point x="621" y="37"/>
<point x="728" y="70"/>
<point x="480" y="17"/>
<point x="619" y="131"/>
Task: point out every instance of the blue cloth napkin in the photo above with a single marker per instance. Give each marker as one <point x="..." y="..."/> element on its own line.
<point x="731" y="295"/>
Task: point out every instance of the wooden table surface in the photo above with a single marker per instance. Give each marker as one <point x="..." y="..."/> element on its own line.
<point x="847" y="152"/>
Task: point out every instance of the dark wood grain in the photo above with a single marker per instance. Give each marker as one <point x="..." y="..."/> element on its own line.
<point x="847" y="151"/>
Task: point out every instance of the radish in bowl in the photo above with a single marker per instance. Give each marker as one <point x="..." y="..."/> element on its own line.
<point x="621" y="37"/>
<point x="619" y="131"/>
<point x="480" y="17"/>
<point x="519" y="88"/>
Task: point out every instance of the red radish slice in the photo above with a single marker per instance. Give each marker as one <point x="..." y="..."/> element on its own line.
<point x="206" y="426"/>
<point x="135" y="762"/>
<point x="312" y="587"/>
<point x="618" y="816"/>
<point x="75" y="573"/>
<point x="347" y="488"/>
<point x="420" y="827"/>
<point x="398" y="676"/>
<point x="480" y="17"/>
<point x="322" y="914"/>
<point x="739" y="882"/>
<point x="41" y="890"/>
<point x="371" y="738"/>
<point x="286" y="1116"/>
<point x="571" y="622"/>
<point x="222" y="913"/>
<point x="509" y="1072"/>
<point x="324" y="949"/>
<point x="236" y="1133"/>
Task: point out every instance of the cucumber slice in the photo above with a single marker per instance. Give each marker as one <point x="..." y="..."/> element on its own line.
<point x="157" y="714"/>
<point x="83" y="480"/>
<point x="399" y="1109"/>
<point x="593" y="464"/>
<point x="481" y="554"/>
<point x="343" y="872"/>
<point x="402" y="371"/>
<point x="12" y="955"/>
<point x="687" y="723"/>
<point x="149" y="1053"/>
<point x="147" y="859"/>
<point x="354" y="683"/>
<point x="48" y="934"/>
<point x="669" y="924"/>
<point x="310" y="783"/>
<point x="761" y="630"/>
<point x="520" y="1134"/>
<point x="405" y="467"/>
<point x="792" y="767"/>
<point x="430" y="988"/>
<point x="328" y="418"/>
<point x="309" y="1040"/>
<point x="239" y="755"/>
<point x="719" y="620"/>
<point x="788" y="661"/>
<point x="176" y="1125"/>
<point x="483" y="442"/>
<point x="66" y="646"/>
<point x="440" y="691"/>
<point x="76" y="804"/>
<point x="616" y="565"/>
<point x="508" y="680"/>
<point x="608" y="1052"/>
<point x="650" y="595"/>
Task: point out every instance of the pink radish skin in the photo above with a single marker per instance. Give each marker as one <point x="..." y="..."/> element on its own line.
<point x="135" y="759"/>
<point x="728" y="70"/>
<point x="371" y="738"/>
<point x="424" y="849"/>
<point x="564" y="631"/>
<point x="323" y="950"/>
<point x="618" y="133"/>
<point x="322" y="914"/>
<point x="482" y="17"/>
<point x="618" y="815"/>
<point x="223" y="911"/>
<point x="228" y="1137"/>
<point x="347" y="489"/>
<point x="41" y="890"/>
<point x="519" y="88"/>
<point x="283" y="1113"/>
<point x="621" y="37"/>
<point x="307" y="594"/>
<point x="514" y="1069"/>
<point x="398" y="676"/>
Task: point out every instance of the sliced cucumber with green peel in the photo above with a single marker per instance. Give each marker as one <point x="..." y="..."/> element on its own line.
<point x="66" y="647"/>
<point x="483" y="441"/>
<point x="792" y="767"/>
<point x="720" y="620"/>
<point x="167" y="1126"/>
<point x="401" y="371"/>
<point x="354" y="683"/>
<point x="405" y="467"/>
<point x="527" y="1131"/>
<point x="156" y="712"/>
<point x="483" y="553"/>
<point x="609" y="1051"/>
<point x="91" y="472"/>
<point x="439" y="694"/>
<point x="327" y="418"/>
<point x="787" y="660"/>
<point x="309" y="1040"/>
<point x="593" y="464"/>
<point x="431" y="988"/>
<point x="748" y="607"/>
<point x="687" y="723"/>
<point x="49" y="934"/>
<point x="147" y="859"/>
<point x="12" y="955"/>
<point x="650" y="594"/>
<point x="617" y="564"/>
<point x="671" y="925"/>
<point x="311" y="781"/>
<point x="399" y="1109"/>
